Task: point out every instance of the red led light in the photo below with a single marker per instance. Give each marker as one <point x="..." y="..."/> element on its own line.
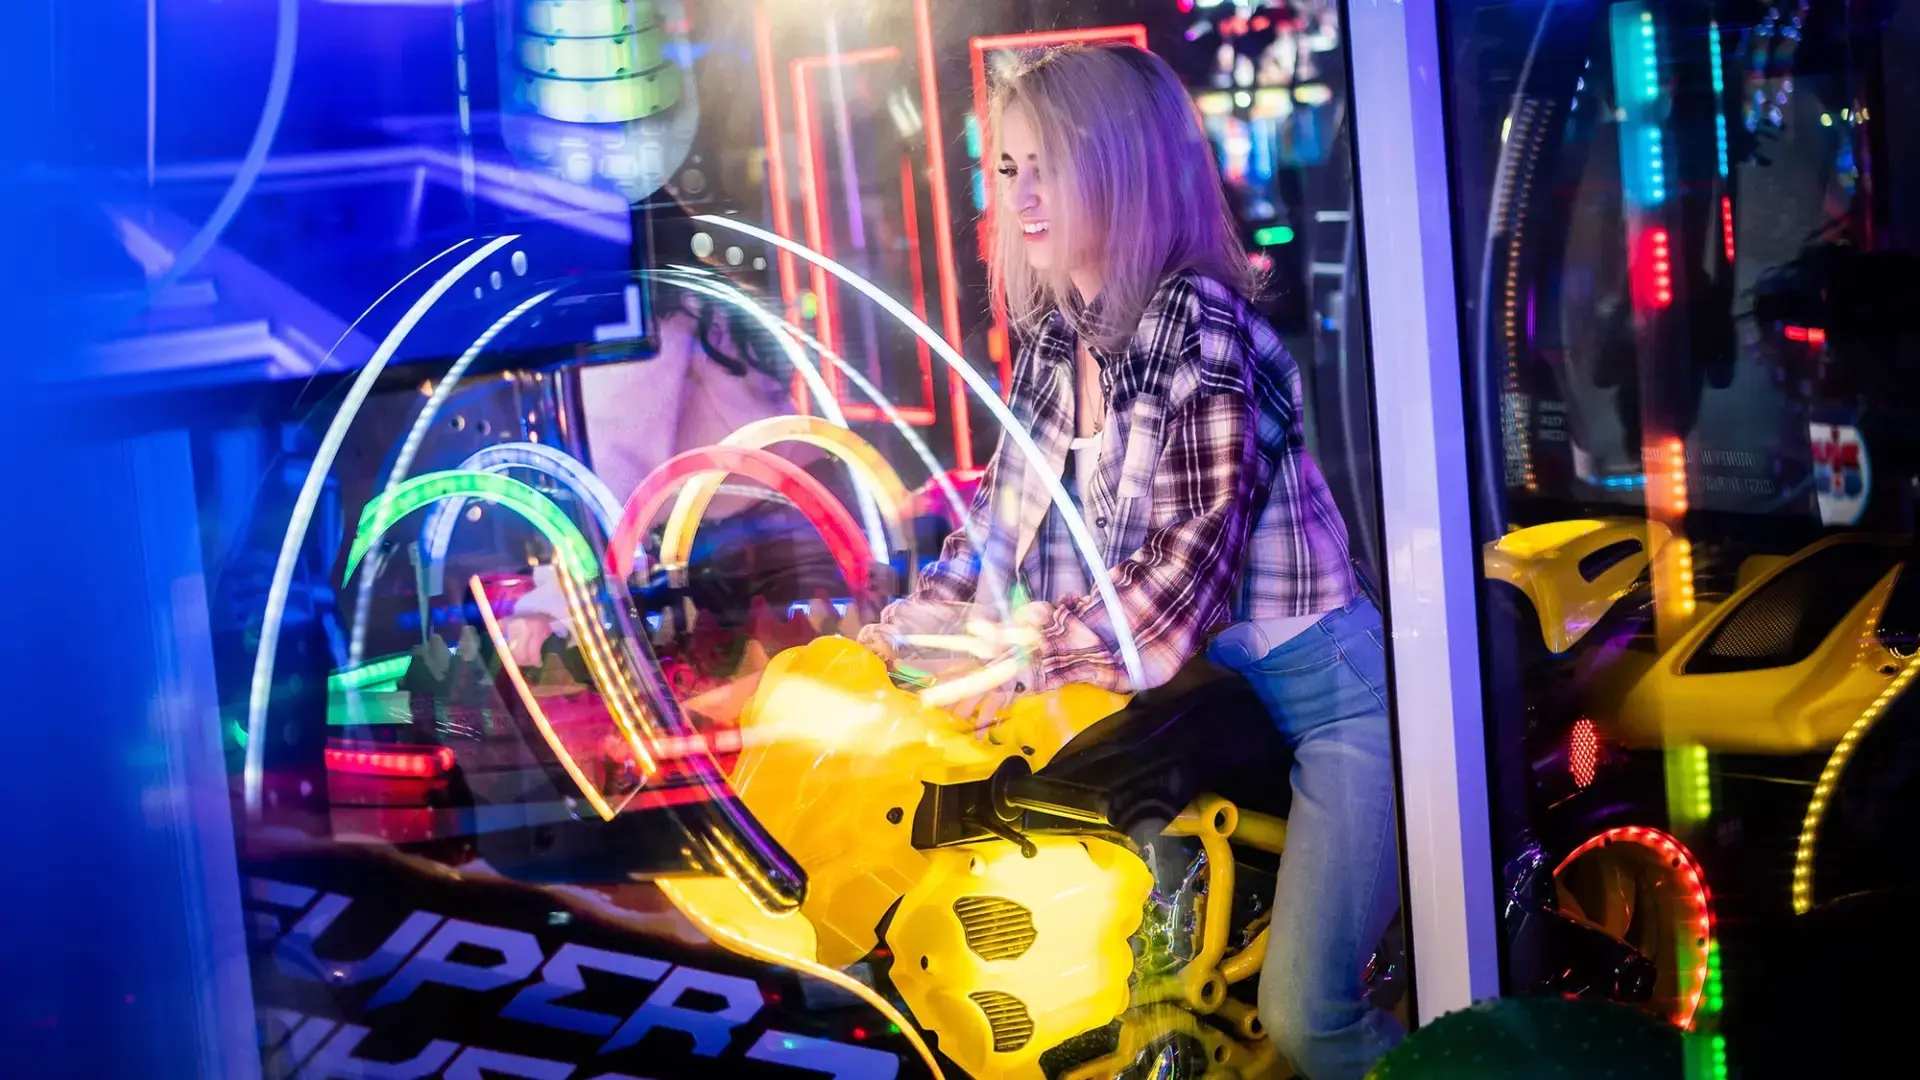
<point x="1812" y="335"/>
<point x="1699" y="902"/>
<point x="1655" y="269"/>
<point x="1583" y="752"/>
<point x="1726" y="223"/>
<point x="412" y="762"/>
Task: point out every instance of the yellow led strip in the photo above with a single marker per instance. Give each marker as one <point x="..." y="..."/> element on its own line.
<point x="1829" y="776"/>
<point x="870" y="469"/>
<point x="621" y="696"/>
<point x="539" y="715"/>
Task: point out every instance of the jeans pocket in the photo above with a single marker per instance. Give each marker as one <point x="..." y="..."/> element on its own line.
<point x="1312" y="650"/>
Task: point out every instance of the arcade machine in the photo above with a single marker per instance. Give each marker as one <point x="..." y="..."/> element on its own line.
<point x="550" y="671"/>
<point x="1694" y="512"/>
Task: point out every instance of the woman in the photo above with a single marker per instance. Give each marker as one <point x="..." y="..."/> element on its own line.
<point x="1157" y="393"/>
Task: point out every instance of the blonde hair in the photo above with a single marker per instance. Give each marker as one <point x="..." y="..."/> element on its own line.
<point x="1122" y="148"/>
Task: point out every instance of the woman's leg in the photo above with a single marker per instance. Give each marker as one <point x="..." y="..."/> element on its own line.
<point x="1339" y="879"/>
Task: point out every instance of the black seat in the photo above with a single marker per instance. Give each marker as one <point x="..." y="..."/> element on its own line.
<point x="1204" y="731"/>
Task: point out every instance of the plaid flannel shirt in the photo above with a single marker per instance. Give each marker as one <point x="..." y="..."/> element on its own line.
<point x="1203" y="434"/>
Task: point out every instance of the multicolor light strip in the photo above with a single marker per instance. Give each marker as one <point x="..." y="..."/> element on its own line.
<point x="858" y="455"/>
<point x="570" y="549"/>
<point x="1010" y="424"/>
<point x="253" y="775"/>
<point x="1698" y="923"/>
<point x="809" y="496"/>
<point x="1830" y="776"/>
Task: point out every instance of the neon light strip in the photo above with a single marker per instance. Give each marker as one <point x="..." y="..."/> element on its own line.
<point x="1719" y="101"/>
<point x="532" y="704"/>
<point x="812" y="172"/>
<point x="1726" y="224"/>
<point x="1829" y="776"/>
<point x="776" y="163"/>
<point x="617" y="687"/>
<point x="810" y="203"/>
<point x="910" y="214"/>
<point x="1070" y="514"/>
<point x="437" y="535"/>
<point x="942" y="229"/>
<point x="858" y="455"/>
<point x="403" y="462"/>
<point x="714" y="287"/>
<point x="808" y="495"/>
<point x="254" y="773"/>
<point x="1135" y="33"/>
<point x="1674" y="855"/>
<point x="569" y="547"/>
<point x="386" y="669"/>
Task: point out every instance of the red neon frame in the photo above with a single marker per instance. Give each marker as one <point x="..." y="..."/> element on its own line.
<point x="979" y="47"/>
<point x="824" y="288"/>
<point x="808" y="495"/>
<point x="937" y="182"/>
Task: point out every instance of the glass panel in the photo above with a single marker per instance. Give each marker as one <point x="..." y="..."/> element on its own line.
<point x="570" y="385"/>
<point x="1687" y="232"/>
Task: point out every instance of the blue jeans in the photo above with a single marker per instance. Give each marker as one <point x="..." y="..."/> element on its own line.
<point x="1340" y="877"/>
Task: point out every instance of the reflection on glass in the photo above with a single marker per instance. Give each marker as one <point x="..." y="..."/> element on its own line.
<point x="591" y="374"/>
<point x="1688" y="229"/>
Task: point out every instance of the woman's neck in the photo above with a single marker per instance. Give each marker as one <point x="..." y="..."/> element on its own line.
<point x="1088" y="284"/>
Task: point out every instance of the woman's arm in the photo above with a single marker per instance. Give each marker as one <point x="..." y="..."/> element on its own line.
<point x="1178" y="586"/>
<point x="949" y="583"/>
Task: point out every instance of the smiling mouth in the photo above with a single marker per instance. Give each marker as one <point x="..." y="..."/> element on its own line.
<point x="1033" y="229"/>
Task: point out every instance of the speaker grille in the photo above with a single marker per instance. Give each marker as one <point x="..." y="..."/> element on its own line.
<point x="996" y="928"/>
<point x="1008" y="1017"/>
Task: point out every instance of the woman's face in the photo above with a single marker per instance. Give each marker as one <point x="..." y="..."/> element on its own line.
<point x="1026" y="191"/>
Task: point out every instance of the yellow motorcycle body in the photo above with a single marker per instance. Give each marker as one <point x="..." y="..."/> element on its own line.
<point x="1004" y="954"/>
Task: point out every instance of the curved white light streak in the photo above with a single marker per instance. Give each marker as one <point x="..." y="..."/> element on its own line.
<point x="437" y="535"/>
<point x="303" y="507"/>
<point x="919" y="447"/>
<point x="1070" y="514"/>
<point x="869" y="509"/>
<point x="403" y="462"/>
<point x="272" y="111"/>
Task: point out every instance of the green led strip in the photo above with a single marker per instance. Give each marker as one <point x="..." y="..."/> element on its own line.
<point x="570" y="549"/>
<point x="592" y="58"/>
<point x="604" y="101"/>
<point x="586" y="18"/>
<point x="369" y="675"/>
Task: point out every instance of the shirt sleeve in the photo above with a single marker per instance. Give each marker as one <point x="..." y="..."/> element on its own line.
<point x="1179" y="585"/>
<point x="951" y="581"/>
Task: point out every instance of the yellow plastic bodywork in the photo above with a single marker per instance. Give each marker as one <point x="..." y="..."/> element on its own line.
<point x="1544" y="563"/>
<point x="833" y="762"/>
<point x="1085" y="898"/>
<point x="1779" y="710"/>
